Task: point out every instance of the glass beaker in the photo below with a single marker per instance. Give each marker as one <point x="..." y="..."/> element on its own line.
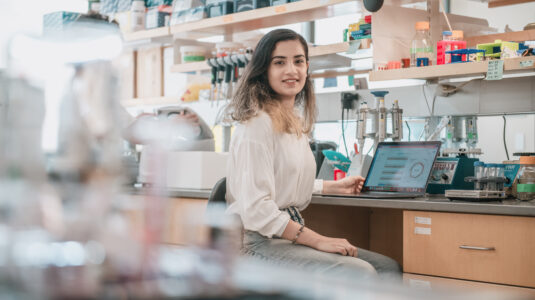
<point x="490" y="174"/>
<point x="525" y="186"/>
<point x="479" y="172"/>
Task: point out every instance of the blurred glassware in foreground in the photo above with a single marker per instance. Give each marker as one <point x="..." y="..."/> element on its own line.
<point x="61" y="162"/>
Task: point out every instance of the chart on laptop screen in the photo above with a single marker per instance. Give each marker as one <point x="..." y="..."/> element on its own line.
<point x="401" y="168"/>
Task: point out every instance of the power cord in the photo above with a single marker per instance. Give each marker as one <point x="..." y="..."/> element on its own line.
<point x="426" y="101"/>
<point x="445" y="91"/>
<point x="505" y="143"/>
<point x="409" y="128"/>
<point x="343" y="132"/>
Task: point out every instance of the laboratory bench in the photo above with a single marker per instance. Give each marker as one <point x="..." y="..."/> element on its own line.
<point x="491" y="242"/>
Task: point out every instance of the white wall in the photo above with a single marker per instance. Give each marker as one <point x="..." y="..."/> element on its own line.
<point x="519" y="136"/>
<point x="516" y="16"/>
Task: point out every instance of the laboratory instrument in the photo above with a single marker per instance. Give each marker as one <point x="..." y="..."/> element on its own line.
<point x="376" y="117"/>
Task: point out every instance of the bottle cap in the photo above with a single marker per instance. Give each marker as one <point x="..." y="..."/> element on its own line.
<point x="479" y="164"/>
<point x="457" y="34"/>
<point x="422" y="25"/>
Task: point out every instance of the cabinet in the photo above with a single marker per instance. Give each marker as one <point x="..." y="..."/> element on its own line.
<point x="181" y="219"/>
<point x="497" y="249"/>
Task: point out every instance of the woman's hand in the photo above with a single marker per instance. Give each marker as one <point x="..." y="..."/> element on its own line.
<point x="347" y="185"/>
<point x="312" y="239"/>
<point x="334" y="245"/>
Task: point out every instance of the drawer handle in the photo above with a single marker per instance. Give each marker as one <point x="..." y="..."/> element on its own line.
<point x="477" y="248"/>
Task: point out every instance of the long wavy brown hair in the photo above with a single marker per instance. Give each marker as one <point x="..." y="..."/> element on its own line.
<point x="254" y="94"/>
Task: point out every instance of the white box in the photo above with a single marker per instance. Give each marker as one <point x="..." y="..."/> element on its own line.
<point x="195" y="169"/>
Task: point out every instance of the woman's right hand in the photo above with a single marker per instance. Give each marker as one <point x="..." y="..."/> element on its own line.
<point x="335" y="245"/>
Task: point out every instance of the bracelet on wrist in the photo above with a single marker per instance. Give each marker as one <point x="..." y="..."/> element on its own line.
<point x="298" y="233"/>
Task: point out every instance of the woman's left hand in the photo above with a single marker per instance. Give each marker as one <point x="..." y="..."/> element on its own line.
<point x="347" y="185"/>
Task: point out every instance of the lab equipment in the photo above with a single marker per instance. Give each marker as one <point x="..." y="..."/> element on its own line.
<point x="449" y="173"/>
<point x="372" y="124"/>
<point x="245" y="5"/>
<point x="479" y="172"/>
<point x="216" y="8"/>
<point x="192" y="53"/>
<point x="138" y="15"/>
<point x="497" y="50"/>
<point x="421" y="46"/>
<point x="489" y="181"/>
<point x="461" y="133"/>
<point x="377" y="117"/>
<point x="525" y="186"/>
<point x="464" y="55"/>
<point x="448" y="43"/>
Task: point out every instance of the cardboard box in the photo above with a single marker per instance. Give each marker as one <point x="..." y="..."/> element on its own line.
<point x="195" y="169"/>
<point x="149" y="72"/>
<point x="182" y="169"/>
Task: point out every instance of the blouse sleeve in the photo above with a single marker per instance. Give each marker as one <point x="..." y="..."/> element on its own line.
<point x="318" y="186"/>
<point x="252" y="183"/>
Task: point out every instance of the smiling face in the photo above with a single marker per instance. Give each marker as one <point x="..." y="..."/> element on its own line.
<point x="287" y="71"/>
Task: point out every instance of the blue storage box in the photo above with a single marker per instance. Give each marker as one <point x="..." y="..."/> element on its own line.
<point x="59" y="20"/>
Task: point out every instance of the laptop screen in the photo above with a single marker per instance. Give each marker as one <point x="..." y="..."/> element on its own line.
<point x="401" y="167"/>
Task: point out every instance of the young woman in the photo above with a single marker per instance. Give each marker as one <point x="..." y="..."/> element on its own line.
<point x="271" y="172"/>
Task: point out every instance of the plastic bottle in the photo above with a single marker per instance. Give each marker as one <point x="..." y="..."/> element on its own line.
<point x="138" y="15"/>
<point x="421" y="46"/>
<point x="446" y="35"/>
<point x="382" y="120"/>
<point x="457" y="42"/>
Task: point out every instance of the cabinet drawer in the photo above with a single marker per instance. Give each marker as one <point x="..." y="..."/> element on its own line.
<point x="498" y="249"/>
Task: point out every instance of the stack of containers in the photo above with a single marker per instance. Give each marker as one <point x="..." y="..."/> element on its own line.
<point x="158" y="13"/>
<point x="451" y="40"/>
<point x="188" y="11"/>
<point x="360" y="30"/>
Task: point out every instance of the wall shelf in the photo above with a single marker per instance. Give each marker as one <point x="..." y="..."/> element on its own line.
<point x="515" y="36"/>
<point x="326" y="53"/>
<point x="153" y="101"/>
<point x="295" y="12"/>
<point x="513" y="65"/>
<point x="190" y="67"/>
<point x="160" y="32"/>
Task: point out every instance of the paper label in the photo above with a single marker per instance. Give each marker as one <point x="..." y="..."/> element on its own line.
<point x="422" y="230"/>
<point x="526" y="63"/>
<point x="422" y="220"/>
<point x="495" y="70"/>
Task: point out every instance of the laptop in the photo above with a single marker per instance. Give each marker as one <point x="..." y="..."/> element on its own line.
<point x="399" y="170"/>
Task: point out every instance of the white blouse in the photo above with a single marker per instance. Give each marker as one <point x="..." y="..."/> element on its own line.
<point x="267" y="172"/>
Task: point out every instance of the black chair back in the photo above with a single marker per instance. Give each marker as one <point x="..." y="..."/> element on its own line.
<point x="218" y="192"/>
